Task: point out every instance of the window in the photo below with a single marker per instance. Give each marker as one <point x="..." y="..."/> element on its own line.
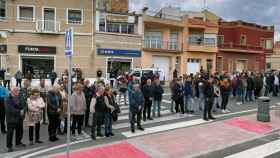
<point x="268" y="44"/>
<point x="220" y="39"/>
<point x="268" y="65"/>
<point x="220" y="64"/>
<point x="3" y="9"/>
<point x="74" y="16"/>
<point x="173" y="41"/>
<point x="243" y="40"/>
<point x="196" y="39"/>
<point x="153" y="40"/>
<point x="26" y="13"/>
<point x="102" y="22"/>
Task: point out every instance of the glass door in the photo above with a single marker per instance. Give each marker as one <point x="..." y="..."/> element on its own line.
<point x="49" y="20"/>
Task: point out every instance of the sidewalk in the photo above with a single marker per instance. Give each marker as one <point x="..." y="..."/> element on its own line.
<point x="186" y="142"/>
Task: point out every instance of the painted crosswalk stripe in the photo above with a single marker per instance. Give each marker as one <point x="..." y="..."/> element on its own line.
<point x="125" y="117"/>
<point x="259" y="151"/>
<point x="156" y="120"/>
<point x="167" y="127"/>
<point x="166" y="101"/>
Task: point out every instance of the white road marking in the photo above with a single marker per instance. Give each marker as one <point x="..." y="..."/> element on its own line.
<point x="259" y="151"/>
<point x="156" y="120"/>
<point x="18" y="153"/>
<point x="54" y="148"/>
<point x="166" y="101"/>
<point x="125" y="117"/>
<point x="164" y="128"/>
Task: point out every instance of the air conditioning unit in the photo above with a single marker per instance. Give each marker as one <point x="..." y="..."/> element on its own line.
<point x="3" y="35"/>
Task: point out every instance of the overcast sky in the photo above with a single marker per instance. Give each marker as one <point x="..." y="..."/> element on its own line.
<point x="265" y="12"/>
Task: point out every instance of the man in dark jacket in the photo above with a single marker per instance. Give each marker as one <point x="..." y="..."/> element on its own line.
<point x="148" y="95"/>
<point x="178" y="96"/>
<point x="14" y="116"/>
<point x="53" y="109"/>
<point x="136" y="107"/>
<point x="209" y="99"/>
<point x="88" y="96"/>
<point x="250" y="88"/>
<point x="53" y="77"/>
<point x="158" y="91"/>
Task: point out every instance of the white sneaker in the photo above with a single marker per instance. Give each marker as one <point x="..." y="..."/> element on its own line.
<point x="227" y="110"/>
<point x="223" y="111"/>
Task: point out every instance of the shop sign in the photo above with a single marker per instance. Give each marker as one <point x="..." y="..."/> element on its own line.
<point x="118" y="52"/>
<point x="3" y="48"/>
<point x="36" y="49"/>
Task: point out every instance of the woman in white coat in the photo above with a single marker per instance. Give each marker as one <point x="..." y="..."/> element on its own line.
<point x="35" y="114"/>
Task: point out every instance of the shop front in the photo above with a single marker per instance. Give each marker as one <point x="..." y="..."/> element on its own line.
<point x="38" y="60"/>
<point x="118" y="61"/>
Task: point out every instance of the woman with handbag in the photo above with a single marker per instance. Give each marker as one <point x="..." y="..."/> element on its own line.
<point x="35" y="115"/>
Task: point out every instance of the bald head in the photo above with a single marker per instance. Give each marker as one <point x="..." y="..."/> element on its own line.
<point x="14" y="91"/>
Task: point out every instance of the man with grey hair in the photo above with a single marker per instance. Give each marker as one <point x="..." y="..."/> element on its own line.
<point x="14" y="116"/>
<point x="136" y="106"/>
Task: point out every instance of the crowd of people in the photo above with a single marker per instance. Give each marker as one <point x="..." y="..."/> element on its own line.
<point x="49" y="105"/>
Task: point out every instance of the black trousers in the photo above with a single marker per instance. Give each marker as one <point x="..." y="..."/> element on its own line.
<point x="2" y="118"/>
<point x="53" y="125"/>
<point x="7" y="83"/>
<point x="179" y="103"/>
<point x="77" y="123"/>
<point x="52" y="81"/>
<point x="44" y="115"/>
<point x="133" y="119"/>
<point x="207" y="108"/>
<point x="37" y="132"/>
<point x="224" y="101"/>
<point x="147" y="108"/>
<point x="97" y="121"/>
<point x="11" y="128"/>
<point x="18" y="83"/>
<point x="87" y="114"/>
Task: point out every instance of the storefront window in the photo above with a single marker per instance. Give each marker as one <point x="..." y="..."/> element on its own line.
<point x="39" y="66"/>
<point x="118" y="66"/>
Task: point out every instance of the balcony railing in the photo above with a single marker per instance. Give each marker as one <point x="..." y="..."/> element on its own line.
<point x="163" y="45"/>
<point x="240" y="47"/>
<point x="209" y="42"/>
<point x="48" y="26"/>
<point x="123" y="28"/>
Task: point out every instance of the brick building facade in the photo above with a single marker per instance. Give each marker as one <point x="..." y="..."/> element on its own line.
<point x="243" y="46"/>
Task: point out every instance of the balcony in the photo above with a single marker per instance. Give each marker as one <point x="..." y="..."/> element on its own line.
<point x="162" y="46"/>
<point x="201" y="44"/>
<point x="233" y="47"/>
<point x="48" y="26"/>
<point x="122" y="28"/>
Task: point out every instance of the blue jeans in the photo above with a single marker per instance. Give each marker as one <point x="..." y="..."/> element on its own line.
<point x="215" y="103"/>
<point x="250" y="95"/>
<point x="108" y="123"/>
<point x="156" y="107"/>
<point x="244" y="94"/>
<point x="188" y="103"/>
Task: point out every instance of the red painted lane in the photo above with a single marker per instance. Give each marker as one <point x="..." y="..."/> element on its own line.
<point x="121" y="150"/>
<point x="248" y="125"/>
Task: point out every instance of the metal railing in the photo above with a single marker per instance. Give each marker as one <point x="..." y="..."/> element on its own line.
<point x="48" y="26"/>
<point x="124" y="28"/>
<point x="239" y="46"/>
<point x="201" y="41"/>
<point x="159" y="44"/>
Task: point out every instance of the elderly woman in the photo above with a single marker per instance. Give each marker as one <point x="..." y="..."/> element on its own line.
<point x="63" y="112"/>
<point x="35" y="115"/>
<point x="98" y="108"/>
<point x="110" y="102"/>
<point x="78" y="108"/>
